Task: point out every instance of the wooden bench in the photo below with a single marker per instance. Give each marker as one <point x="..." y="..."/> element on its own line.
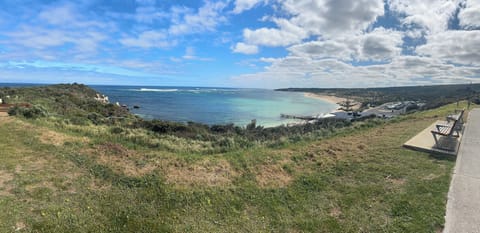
<point x="450" y="129"/>
<point x="457" y="116"/>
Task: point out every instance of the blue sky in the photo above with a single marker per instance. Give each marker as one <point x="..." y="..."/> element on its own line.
<point x="241" y="43"/>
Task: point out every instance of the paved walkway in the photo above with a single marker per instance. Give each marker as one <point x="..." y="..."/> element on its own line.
<point x="463" y="206"/>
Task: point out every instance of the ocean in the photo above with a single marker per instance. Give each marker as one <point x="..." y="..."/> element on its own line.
<point x="214" y="105"/>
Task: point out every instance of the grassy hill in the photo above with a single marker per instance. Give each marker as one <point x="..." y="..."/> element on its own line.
<point x="59" y="176"/>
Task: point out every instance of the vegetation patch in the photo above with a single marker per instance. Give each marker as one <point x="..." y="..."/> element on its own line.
<point x="5" y="186"/>
<point x="275" y="175"/>
<point x="120" y="159"/>
<point x="207" y="172"/>
<point x="51" y="137"/>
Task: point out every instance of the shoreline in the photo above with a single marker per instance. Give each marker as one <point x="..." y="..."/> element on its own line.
<point x="327" y="98"/>
<point x="332" y="99"/>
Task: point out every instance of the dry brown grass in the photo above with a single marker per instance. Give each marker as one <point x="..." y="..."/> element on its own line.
<point x="176" y="171"/>
<point x="431" y="176"/>
<point x="4" y="118"/>
<point x="58" y="139"/>
<point x="5" y="186"/>
<point x="396" y="181"/>
<point x="335" y="212"/>
<point x="43" y="184"/>
<point x="203" y="173"/>
<point x="121" y="159"/>
<point x="273" y="175"/>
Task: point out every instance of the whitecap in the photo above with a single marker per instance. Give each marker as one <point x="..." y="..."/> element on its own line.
<point x="158" y="90"/>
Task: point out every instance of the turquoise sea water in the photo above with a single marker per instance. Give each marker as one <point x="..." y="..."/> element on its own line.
<point x="215" y="105"/>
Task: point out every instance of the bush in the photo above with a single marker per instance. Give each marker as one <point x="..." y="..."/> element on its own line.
<point x="79" y="120"/>
<point x="116" y="130"/>
<point x="33" y="112"/>
<point x="95" y="118"/>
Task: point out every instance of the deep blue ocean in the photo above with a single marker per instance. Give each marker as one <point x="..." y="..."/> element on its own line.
<point x="213" y="105"/>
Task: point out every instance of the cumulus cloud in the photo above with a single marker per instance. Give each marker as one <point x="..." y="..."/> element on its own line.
<point x="207" y="18"/>
<point x="470" y="15"/>
<point x="272" y="37"/>
<point x="243" y="5"/>
<point x="381" y="44"/>
<point x="333" y="17"/>
<point x="402" y="70"/>
<point x="325" y="18"/>
<point x="332" y="37"/>
<point x="340" y="49"/>
<point x="431" y="15"/>
<point x="461" y="47"/>
<point x="378" y="45"/>
<point x="245" y="48"/>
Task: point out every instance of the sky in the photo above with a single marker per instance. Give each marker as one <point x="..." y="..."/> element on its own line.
<point x="241" y="43"/>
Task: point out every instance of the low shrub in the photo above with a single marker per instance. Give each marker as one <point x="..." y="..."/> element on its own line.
<point x="33" y="112"/>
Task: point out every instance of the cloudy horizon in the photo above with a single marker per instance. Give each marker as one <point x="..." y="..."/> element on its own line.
<point x="241" y="43"/>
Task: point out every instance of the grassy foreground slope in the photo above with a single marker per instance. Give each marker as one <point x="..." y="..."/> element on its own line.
<point x="67" y="178"/>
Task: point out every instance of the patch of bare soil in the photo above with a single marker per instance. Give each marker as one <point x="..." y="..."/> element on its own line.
<point x="335" y="212"/>
<point x="204" y="173"/>
<point x="5" y="187"/>
<point x="431" y="177"/>
<point x="396" y="181"/>
<point x="20" y="226"/>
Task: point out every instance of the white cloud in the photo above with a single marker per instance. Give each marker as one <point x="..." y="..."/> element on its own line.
<point x="339" y="49"/>
<point x="190" y="54"/>
<point x="56" y="26"/>
<point x="325" y="18"/>
<point x="344" y="36"/>
<point x="148" y="39"/>
<point x="207" y="18"/>
<point x="402" y="70"/>
<point x="271" y="37"/>
<point x="470" y="15"/>
<point x="88" y="68"/>
<point x="245" y="48"/>
<point x="381" y="44"/>
<point x="333" y="17"/>
<point x="430" y="15"/>
<point x="460" y="47"/>
<point x="243" y="5"/>
<point x="378" y="45"/>
<point x="147" y="12"/>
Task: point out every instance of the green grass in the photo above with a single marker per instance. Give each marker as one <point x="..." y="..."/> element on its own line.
<point x="359" y="179"/>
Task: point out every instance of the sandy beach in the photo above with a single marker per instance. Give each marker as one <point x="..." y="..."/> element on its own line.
<point x="331" y="99"/>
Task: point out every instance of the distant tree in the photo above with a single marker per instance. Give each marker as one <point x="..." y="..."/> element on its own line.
<point x="347" y="105"/>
